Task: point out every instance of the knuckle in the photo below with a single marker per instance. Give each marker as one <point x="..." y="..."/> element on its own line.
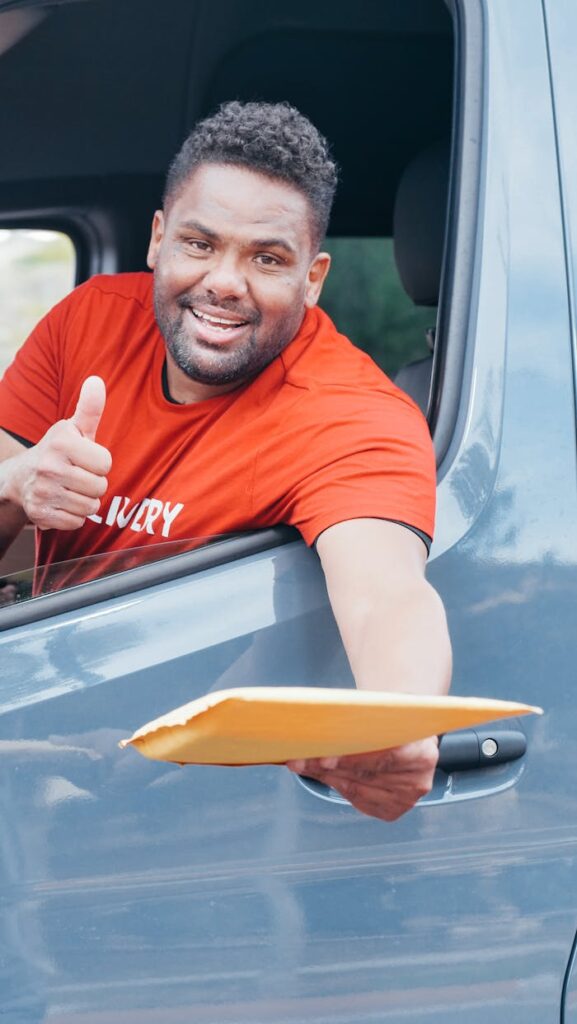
<point x="42" y="517"/>
<point x="422" y="788"/>
<point x="387" y="760"/>
<point x="430" y="761"/>
<point x="34" y="509"/>
<point x="390" y="764"/>
<point x="351" y="791"/>
<point x="394" y="815"/>
<point x="49" y="469"/>
<point x="101" y="457"/>
<point x="59" y="435"/>
<point x="81" y="507"/>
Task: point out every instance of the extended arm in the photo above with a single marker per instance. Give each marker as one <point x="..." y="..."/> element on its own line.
<point x="395" y="634"/>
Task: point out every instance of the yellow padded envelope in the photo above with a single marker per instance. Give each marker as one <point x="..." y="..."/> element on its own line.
<point x="270" y="725"/>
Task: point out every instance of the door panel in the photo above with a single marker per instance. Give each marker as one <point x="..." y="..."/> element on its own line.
<point x="561" y="20"/>
<point x="137" y="890"/>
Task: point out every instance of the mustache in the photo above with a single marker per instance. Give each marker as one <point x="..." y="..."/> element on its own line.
<point x="208" y="302"/>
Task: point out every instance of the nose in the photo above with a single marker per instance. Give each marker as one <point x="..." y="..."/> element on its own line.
<point x="225" y="278"/>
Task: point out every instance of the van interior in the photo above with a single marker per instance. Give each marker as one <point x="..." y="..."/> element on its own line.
<point x="98" y="95"/>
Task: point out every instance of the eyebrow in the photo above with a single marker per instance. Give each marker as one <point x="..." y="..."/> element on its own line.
<point x="258" y="243"/>
<point x="195" y="225"/>
<point x="274" y="243"/>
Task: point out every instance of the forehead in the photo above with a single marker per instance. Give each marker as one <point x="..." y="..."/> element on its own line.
<point x="235" y="200"/>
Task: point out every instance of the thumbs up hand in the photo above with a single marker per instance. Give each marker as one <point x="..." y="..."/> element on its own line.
<point x="60" y="481"/>
<point x="90" y="406"/>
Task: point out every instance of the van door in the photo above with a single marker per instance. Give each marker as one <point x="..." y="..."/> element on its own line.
<point x="134" y="890"/>
<point x="561" y="23"/>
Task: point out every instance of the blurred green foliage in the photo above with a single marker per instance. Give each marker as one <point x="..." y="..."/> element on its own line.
<point x="364" y="296"/>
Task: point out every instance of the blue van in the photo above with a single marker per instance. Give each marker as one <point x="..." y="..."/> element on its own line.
<point x="139" y="891"/>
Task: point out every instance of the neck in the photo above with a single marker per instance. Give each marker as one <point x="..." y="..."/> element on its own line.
<point x="185" y="391"/>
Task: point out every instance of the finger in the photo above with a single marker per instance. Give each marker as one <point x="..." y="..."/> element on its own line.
<point x="408" y="788"/>
<point x="77" y="504"/>
<point x="90" y="406"/>
<point x="417" y="755"/>
<point x="56" y="519"/>
<point x="380" y="761"/>
<point x="395" y="759"/>
<point x="80" y="481"/>
<point x="386" y="800"/>
<point x="43" y="511"/>
<point x="388" y="806"/>
<point x="89" y="455"/>
<point x="397" y="774"/>
<point x="407" y="782"/>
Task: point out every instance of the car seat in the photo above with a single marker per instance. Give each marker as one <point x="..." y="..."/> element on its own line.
<point x="419" y="218"/>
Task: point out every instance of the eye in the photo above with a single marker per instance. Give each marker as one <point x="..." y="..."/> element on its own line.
<point x="266" y="259"/>
<point x="197" y="245"/>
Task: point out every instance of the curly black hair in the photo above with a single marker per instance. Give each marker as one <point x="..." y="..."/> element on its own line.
<point x="271" y="138"/>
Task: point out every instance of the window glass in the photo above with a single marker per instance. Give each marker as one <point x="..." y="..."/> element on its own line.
<point x="30" y="582"/>
<point x="364" y="296"/>
<point x="37" y="269"/>
<point x="561" y="33"/>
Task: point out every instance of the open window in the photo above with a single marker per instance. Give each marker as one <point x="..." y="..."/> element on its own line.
<point x="110" y="91"/>
<point x="37" y="268"/>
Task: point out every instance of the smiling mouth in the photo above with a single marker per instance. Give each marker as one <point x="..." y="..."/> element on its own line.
<point x="217" y="321"/>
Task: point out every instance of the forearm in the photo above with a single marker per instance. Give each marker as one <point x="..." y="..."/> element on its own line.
<point x="12" y="515"/>
<point x="391" y="620"/>
<point x="407" y="649"/>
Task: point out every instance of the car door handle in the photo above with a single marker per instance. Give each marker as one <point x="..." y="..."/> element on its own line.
<point x="479" y="748"/>
<point x="462" y="751"/>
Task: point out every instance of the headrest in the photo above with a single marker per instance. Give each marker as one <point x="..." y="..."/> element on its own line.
<point x="419" y="224"/>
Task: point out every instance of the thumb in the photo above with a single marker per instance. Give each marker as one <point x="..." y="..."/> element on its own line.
<point x="90" y="406"/>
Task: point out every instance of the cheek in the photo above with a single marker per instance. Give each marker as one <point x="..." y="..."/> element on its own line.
<point x="173" y="273"/>
<point x="279" y="298"/>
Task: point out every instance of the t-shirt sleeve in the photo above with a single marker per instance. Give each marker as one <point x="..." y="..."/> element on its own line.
<point x="354" y="456"/>
<point x="30" y="387"/>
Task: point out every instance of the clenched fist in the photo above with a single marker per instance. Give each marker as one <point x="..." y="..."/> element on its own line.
<point x="60" y="481"/>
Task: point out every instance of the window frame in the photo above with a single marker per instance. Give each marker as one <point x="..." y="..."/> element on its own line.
<point x="143" y="577"/>
<point x="449" y="384"/>
<point x="99" y="244"/>
<point x="93" y="232"/>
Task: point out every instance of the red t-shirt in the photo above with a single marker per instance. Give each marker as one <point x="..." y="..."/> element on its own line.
<point x="320" y="436"/>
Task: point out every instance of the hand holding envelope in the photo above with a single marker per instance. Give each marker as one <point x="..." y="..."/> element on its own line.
<point x="384" y="783"/>
<point x="378" y="749"/>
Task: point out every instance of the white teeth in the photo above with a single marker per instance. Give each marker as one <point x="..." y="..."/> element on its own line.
<point x="216" y="319"/>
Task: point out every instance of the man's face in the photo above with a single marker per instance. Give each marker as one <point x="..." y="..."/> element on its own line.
<point x="234" y="271"/>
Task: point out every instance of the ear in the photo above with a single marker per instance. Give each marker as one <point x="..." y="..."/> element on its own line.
<point x="317" y="273"/>
<point x="156" y="237"/>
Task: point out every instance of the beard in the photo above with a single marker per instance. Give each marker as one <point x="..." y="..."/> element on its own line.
<point x="211" y="364"/>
